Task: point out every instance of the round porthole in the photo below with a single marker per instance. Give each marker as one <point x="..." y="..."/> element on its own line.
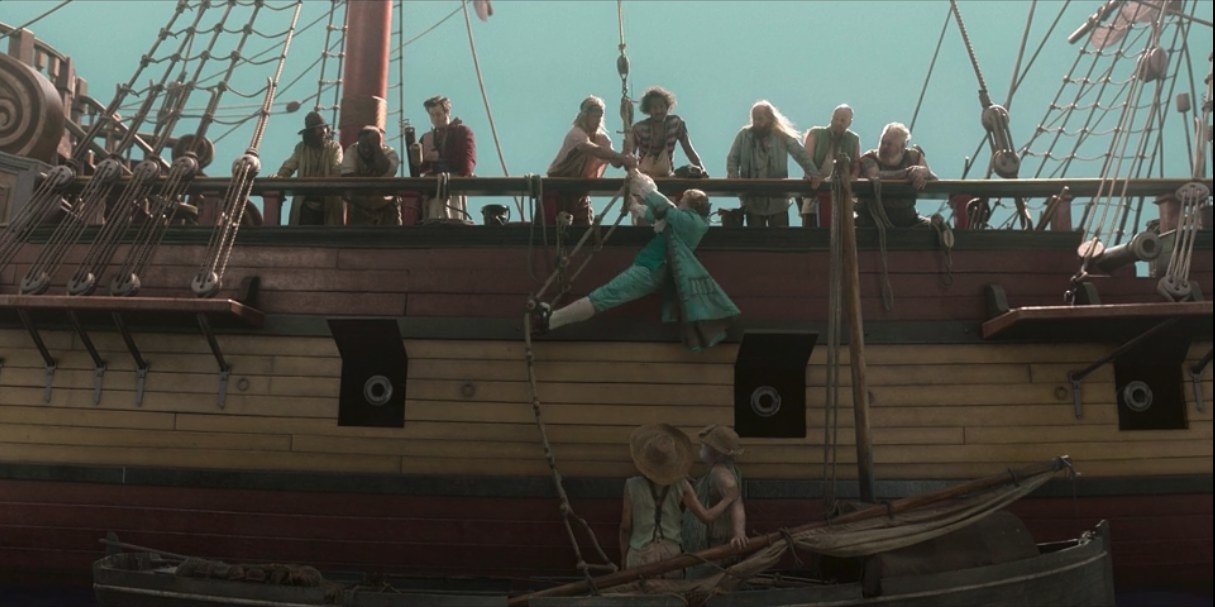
<point x="377" y="390"/>
<point x="765" y="401"/>
<point x="1137" y="395"/>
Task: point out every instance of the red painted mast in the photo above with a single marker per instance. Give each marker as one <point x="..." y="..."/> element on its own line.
<point x="365" y="73"/>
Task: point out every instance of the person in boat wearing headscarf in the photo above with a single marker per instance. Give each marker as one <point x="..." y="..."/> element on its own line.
<point x="719" y="446"/>
<point x="316" y="155"/>
<point x="668" y="264"/>
<point x="893" y="160"/>
<point x="823" y="143"/>
<point x="652" y="515"/>
<point x="585" y="152"/>
<point x="761" y="150"/>
<point x="369" y="156"/>
<point x="449" y="147"/>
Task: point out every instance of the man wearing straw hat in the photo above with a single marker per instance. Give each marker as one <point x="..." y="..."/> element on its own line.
<point x="719" y="446"/>
<point x="651" y="521"/>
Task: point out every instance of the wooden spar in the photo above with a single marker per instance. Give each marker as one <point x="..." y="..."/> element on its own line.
<point x="756" y="544"/>
<point x="500" y="186"/>
<point x="365" y="70"/>
<point x="856" y="338"/>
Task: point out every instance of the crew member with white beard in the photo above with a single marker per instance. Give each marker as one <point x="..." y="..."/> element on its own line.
<point x="892" y="160"/>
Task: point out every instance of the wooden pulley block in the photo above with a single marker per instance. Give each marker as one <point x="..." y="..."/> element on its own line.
<point x="204" y="150"/>
<point x="31" y="112"/>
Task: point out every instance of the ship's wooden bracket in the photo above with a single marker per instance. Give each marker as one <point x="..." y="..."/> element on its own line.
<point x="156" y="310"/>
<point x="99" y="364"/>
<point x="1075" y="377"/>
<point x="225" y="370"/>
<point x="1130" y="324"/>
<point x="141" y="365"/>
<point x="1196" y="379"/>
<point x="51" y="364"/>
<point x="1105" y="322"/>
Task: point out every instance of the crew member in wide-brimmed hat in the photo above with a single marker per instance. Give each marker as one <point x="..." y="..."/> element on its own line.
<point x="651" y="522"/>
<point x="719" y="445"/>
<point x="316" y="155"/>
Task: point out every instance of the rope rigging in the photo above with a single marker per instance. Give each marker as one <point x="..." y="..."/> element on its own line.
<point x="91" y="200"/>
<point x="564" y="279"/>
<point x="209" y="279"/>
<point x="44" y="15"/>
<point x="1109" y="203"/>
<point x="489" y="113"/>
<point x="126" y="280"/>
<point x="1005" y="161"/>
<point x="327" y="52"/>
<point x="834" y="320"/>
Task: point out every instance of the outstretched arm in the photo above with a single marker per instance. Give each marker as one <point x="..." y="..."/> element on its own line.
<point x="626" y="527"/>
<point x="726" y="485"/>
<point x="798" y="151"/>
<point x="919" y="173"/>
<point x="692" y="503"/>
<point x="734" y="158"/>
<point x="291" y="164"/>
<point x="642" y="187"/>
<point x="686" y="143"/>
<point x="604" y="152"/>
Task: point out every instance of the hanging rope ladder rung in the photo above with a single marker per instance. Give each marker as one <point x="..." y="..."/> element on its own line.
<point x="564" y="281"/>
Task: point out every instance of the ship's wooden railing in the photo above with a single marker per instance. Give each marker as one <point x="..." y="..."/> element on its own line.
<point x="516" y="186"/>
<point x="275" y="190"/>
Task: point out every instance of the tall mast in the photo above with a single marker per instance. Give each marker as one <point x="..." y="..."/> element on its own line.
<point x="365" y="73"/>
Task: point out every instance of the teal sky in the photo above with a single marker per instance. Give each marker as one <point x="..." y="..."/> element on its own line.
<point x="540" y="58"/>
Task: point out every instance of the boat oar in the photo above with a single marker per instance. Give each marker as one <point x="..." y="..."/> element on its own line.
<point x="717" y="553"/>
<point x="113" y="542"/>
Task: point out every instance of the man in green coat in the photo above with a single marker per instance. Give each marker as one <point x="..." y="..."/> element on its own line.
<point x="667" y="263"/>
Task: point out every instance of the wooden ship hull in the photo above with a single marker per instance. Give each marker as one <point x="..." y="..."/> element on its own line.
<point x="244" y="427"/>
<point x="1074" y="574"/>
<point x="462" y="486"/>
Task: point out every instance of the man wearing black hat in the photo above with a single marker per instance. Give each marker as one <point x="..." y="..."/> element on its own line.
<point x="317" y="155"/>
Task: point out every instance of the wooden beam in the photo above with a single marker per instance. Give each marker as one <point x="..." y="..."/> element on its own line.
<point x="226" y="308"/>
<point x="1019" y="321"/>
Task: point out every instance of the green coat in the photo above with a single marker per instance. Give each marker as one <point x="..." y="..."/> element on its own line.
<point x="691" y="297"/>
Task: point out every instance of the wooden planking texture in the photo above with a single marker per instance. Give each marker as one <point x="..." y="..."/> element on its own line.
<point x="494" y="282"/>
<point x="940" y="411"/>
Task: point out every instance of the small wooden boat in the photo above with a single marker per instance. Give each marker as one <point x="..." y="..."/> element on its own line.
<point x="149" y="579"/>
<point x="1072" y="573"/>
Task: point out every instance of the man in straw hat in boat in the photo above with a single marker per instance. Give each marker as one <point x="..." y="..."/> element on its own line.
<point x="667" y="264"/>
<point x="719" y="446"/>
<point x="316" y="155"/>
<point x="652" y="518"/>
